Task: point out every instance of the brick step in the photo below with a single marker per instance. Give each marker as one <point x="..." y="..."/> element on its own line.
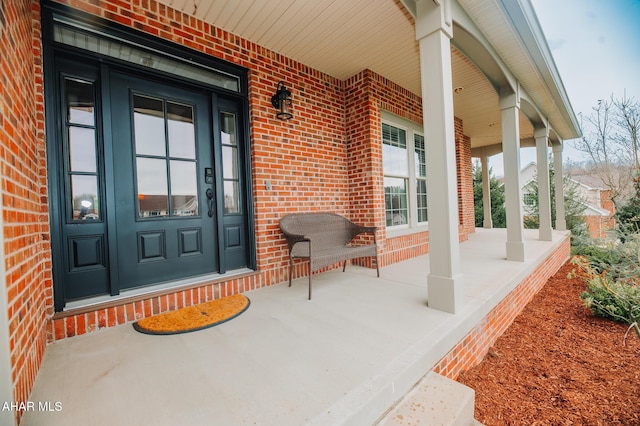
<point x="435" y="400"/>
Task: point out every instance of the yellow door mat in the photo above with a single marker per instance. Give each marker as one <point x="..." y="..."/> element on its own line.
<point x="196" y="317"/>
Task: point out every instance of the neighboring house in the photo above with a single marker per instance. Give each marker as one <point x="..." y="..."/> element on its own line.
<point x="598" y="207"/>
<point x="157" y="117"/>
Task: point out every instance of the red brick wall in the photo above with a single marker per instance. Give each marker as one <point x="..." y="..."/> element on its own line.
<point x="366" y="190"/>
<point x="598" y="226"/>
<point x="606" y="202"/>
<point x="464" y="173"/>
<point x="471" y="350"/>
<point x="304" y="159"/>
<point x="24" y="191"/>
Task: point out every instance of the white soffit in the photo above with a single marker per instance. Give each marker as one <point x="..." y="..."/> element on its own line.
<point x="336" y="37"/>
<point x="341" y="38"/>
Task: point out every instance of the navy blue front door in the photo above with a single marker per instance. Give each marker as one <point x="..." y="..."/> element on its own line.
<point x="149" y="179"/>
<point x="164" y="182"/>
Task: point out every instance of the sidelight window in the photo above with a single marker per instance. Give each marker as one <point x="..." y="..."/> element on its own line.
<point x="230" y="175"/>
<point x="81" y="151"/>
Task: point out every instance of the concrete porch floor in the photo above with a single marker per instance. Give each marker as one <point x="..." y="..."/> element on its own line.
<point x="344" y="357"/>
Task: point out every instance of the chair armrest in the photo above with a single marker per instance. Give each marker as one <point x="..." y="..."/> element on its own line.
<point x="370" y="229"/>
<point x="366" y="229"/>
<point x="293" y="239"/>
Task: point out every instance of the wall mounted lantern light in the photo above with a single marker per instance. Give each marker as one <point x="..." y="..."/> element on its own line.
<point x="282" y="102"/>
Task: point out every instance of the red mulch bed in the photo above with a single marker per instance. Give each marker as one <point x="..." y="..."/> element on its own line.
<point x="557" y="364"/>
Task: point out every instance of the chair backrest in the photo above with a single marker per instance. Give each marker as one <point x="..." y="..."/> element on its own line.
<point x="326" y="229"/>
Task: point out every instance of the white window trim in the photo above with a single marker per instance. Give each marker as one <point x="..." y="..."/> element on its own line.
<point x="411" y="128"/>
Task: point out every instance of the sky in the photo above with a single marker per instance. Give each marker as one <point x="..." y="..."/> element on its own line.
<point x="596" y="48"/>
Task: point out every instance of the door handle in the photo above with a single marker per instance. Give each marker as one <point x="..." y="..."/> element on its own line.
<point x="210" y="201"/>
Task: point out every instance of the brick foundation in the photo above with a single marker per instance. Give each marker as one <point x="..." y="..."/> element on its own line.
<point x="471" y="350"/>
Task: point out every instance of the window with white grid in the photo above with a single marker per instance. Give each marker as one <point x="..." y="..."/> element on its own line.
<point x="405" y="173"/>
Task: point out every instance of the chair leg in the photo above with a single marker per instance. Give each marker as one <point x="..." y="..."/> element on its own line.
<point x="377" y="266"/>
<point x="310" y="273"/>
<point x="344" y="266"/>
<point x="290" y="269"/>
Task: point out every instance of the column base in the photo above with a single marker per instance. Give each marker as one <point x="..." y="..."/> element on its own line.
<point x="444" y="293"/>
<point x="545" y="234"/>
<point x="561" y="225"/>
<point x="515" y="251"/>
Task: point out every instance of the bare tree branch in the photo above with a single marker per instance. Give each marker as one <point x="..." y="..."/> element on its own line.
<point x="611" y="141"/>
<point x="628" y="121"/>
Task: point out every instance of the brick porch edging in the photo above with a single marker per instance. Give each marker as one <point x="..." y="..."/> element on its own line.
<point x="94" y="319"/>
<point x="470" y="351"/>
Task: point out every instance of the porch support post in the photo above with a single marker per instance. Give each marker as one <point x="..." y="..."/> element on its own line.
<point x="434" y="32"/>
<point x="544" y="194"/>
<point x="561" y="223"/>
<point x="486" y="192"/>
<point x="510" y="107"/>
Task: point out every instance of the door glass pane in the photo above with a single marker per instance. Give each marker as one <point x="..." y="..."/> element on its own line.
<point x="182" y="141"/>
<point x="153" y="196"/>
<point x="231" y="197"/>
<point x="79" y="101"/>
<point x="230" y="165"/>
<point x="82" y="149"/>
<point x="148" y="117"/>
<point x="84" y="195"/>
<point x="230" y="162"/>
<point x="184" y="188"/>
<point x="228" y="128"/>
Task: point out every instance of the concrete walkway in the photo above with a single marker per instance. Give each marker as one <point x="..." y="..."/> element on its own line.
<point x="344" y="357"/>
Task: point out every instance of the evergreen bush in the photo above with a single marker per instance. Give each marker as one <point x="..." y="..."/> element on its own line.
<point x="613" y="279"/>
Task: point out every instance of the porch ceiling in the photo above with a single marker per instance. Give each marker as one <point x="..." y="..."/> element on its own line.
<point x="341" y="38"/>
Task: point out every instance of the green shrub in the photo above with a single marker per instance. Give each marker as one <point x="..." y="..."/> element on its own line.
<point x="612" y="299"/>
<point x="600" y="254"/>
<point x="612" y="272"/>
<point x="628" y="215"/>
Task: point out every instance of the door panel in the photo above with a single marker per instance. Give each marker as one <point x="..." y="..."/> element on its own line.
<point x="162" y="141"/>
<point x="80" y="225"/>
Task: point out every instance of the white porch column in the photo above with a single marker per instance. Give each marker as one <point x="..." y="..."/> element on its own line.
<point x="434" y="31"/>
<point x="486" y="193"/>
<point x="561" y="222"/>
<point x="544" y="194"/>
<point x="510" y="106"/>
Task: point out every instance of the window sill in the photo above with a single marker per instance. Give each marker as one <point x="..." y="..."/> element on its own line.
<point x="402" y="231"/>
